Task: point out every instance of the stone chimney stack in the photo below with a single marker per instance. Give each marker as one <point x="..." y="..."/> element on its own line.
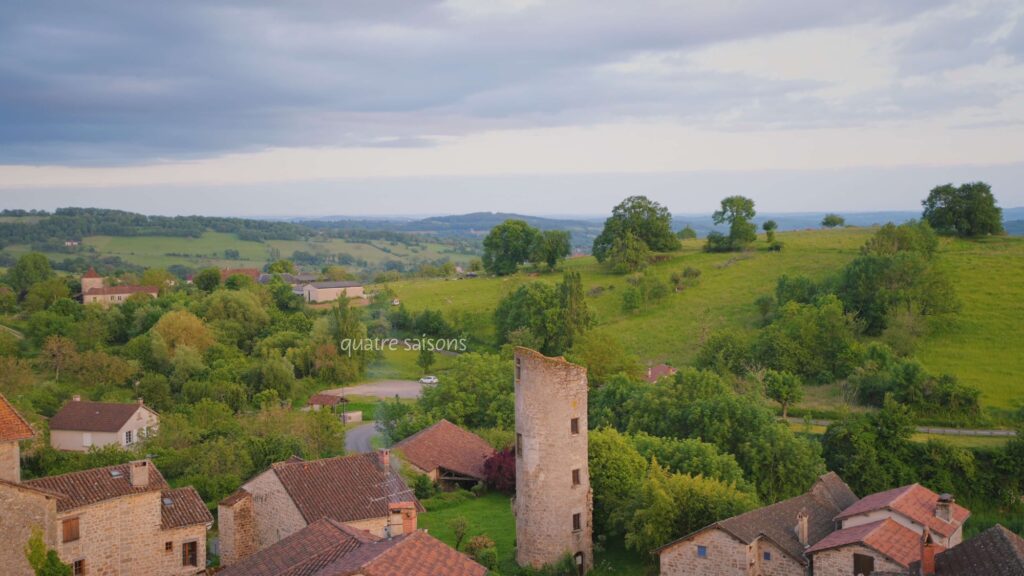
<point x="801" y="528"/>
<point x="385" y="459"/>
<point x="407" y="511"/>
<point x="944" y="507"/>
<point x="140" y="473"/>
<point x="76" y="398"/>
<point x="141" y="403"/>
<point x="929" y="548"/>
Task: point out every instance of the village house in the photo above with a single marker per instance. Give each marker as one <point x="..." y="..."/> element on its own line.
<point x="13" y="429"/>
<point x="655" y="373"/>
<point x="994" y="552"/>
<point x="94" y="291"/>
<point x="329" y="291"/>
<point x="80" y="425"/>
<point x="447" y="454"/>
<point x="329" y="548"/>
<point x="769" y="541"/>
<point x="335" y="403"/>
<point x="362" y="491"/>
<point x="119" y="520"/>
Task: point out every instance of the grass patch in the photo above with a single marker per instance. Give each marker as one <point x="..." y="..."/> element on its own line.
<point x="401" y="365"/>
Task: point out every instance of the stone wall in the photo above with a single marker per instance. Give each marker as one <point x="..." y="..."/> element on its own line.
<point x="839" y="561"/>
<point x="237" y="525"/>
<point x="549" y="393"/>
<point x="275" y="513"/>
<point x="781" y="564"/>
<point x="726" y="556"/>
<point x="22" y="510"/>
<point x="10" y="461"/>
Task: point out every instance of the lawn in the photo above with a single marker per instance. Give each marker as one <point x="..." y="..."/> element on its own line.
<point x="373" y="251"/>
<point x="401" y="365"/>
<point x="491" y="515"/>
<point x="982" y="346"/>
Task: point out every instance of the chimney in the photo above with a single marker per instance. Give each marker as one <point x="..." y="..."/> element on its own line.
<point x="141" y="402"/>
<point x="385" y="459"/>
<point x="140" y="473"/>
<point x="801" y="528"/>
<point x="929" y="548"/>
<point x="408" y="513"/>
<point x="76" y="398"/>
<point x="944" y="507"/>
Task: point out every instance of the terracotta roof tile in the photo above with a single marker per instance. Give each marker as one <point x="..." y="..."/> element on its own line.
<point x="86" y="487"/>
<point x="345" y="489"/>
<point x="304" y="553"/>
<point x="235" y="497"/>
<point x="93" y="416"/>
<point x="182" y="507"/>
<point x="887" y="537"/>
<point x="655" y="373"/>
<point x="445" y="445"/>
<point x="226" y="273"/>
<point x="913" y="501"/>
<point x="324" y="400"/>
<point x="420" y="554"/>
<point x="124" y="289"/>
<point x="12" y="425"/>
<point x="994" y="552"/>
<point x="91" y="273"/>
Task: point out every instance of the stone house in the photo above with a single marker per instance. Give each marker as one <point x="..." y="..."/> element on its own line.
<point x="769" y="541"/>
<point x="554" y="502"/>
<point x="446" y="453"/>
<point x="13" y="429"/>
<point x="329" y="291"/>
<point x="95" y="292"/>
<point x="362" y="491"/>
<point x="81" y="424"/>
<point x="329" y="548"/>
<point x="118" y="520"/>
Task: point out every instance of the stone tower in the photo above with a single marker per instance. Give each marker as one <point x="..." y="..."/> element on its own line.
<point x="553" y="500"/>
<point x="91" y="280"/>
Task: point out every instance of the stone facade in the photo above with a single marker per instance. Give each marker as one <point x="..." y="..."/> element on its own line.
<point x="10" y="461"/>
<point x="24" y="509"/>
<point x="778" y="562"/>
<point x="839" y="561"/>
<point x="236" y="521"/>
<point x="275" y="513"/>
<point x="726" y="556"/>
<point x="553" y="503"/>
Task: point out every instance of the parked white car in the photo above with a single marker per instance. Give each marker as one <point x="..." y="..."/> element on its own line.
<point x="429" y="380"/>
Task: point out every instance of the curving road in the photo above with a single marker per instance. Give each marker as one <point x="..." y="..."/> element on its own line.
<point x="359" y="439"/>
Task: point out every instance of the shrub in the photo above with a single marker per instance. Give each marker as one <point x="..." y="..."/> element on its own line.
<point x="482" y="549"/>
<point x="500" y="471"/>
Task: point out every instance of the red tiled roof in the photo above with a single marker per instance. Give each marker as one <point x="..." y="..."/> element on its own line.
<point x="655" y="373"/>
<point x="96" y="485"/>
<point x="226" y="273"/>
<point x="304" y="553"/>
<point x="345" y="489"/>
<point x="12" y="425"/>
<point x="915" y="502"/>
<point x="91" y="273"/>
<point x="420" y="554"/>
<point x="235" y="497"/>
<point x="114" y="290"/>
<point x="93" y="416"/>
<point x="994" y="552"/>
<point x="324" y="400"/>
<point x="445" y="445"/>
<point x="887" y="536"/>
<point x="182" y="507"/>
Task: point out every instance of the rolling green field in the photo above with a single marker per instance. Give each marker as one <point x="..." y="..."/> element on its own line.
<point x="982" y="346"/>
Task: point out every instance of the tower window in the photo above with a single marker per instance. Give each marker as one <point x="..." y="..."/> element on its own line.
<point x="576" y="477"/>
<point x="574" y="426"/>
<point x="519" y="369"/>
<point x="519" y="445"/>
<point x="577" y="522"/>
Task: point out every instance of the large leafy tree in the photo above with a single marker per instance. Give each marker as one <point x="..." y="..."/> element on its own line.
<point x="617" y="473"/>
<point x="551" y="318"/>
<point x="784" y="388"/>
<point x="508" y="245"/>
<point x="28" y="270"/>
<point x="738" y="212"/>
<point x="646" y="220"/>
<point x="552" y="247"/>
<point x="967" y="210"/>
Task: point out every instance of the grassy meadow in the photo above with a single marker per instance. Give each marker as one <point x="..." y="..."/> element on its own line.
<point x="981" y="346"/>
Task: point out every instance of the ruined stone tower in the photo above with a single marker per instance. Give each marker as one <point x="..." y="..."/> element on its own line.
<point x="553" y="499"/>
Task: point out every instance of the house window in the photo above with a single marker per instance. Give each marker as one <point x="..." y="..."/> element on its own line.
<point x="189" y="554"/>
<point x="576" y="477"/>
<point x="577" y="522"/>
<point x="168" y="546"/>
<point x="767" y="556"/>
<point x="128" y="437"/>
<point x="69" y="530"/>
<point x="78" y="567"/>
<point x="574" y="425"/>
<point x="863" y="565"/>
<point x="519" y="369"/>
<point x="702" y="551"/>
<point x="519" y="445"/>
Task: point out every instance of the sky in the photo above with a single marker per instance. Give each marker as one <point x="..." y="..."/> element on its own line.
<point x="325" y="107"/>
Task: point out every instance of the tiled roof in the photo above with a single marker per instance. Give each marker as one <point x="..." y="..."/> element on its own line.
<point x="93" y="416"/>
<point x="994" y="552"/>
<point x="235" y="497"/>
<point x="445" y="445"/>
<point x="96" y="485"/>
<point x="345" y="489"/>
<point x="109" y="290"/>
<point x="328" y="548"/>
<point x="915" y="502"/>
<point x="91" y="273"/>
<point x="778" y="522"/>
<point x="226" y="273"/>
<point x="182" y="507"/>
<point x="324" y="399"/>
<point x="12" y="425"/>
<point x="655" y="373"/>
<point x="887" y="537"/>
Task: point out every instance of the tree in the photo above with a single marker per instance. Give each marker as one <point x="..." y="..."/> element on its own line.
<point x="281" y="267"/>
<point x="604" y="356"/>
<point x="158" y="277"/>
<point x="207" y="280"/>
<point x="42" y="294"/>
<point x="737" y="211"/>
<point x="833" y="221"/>
<point x="784" y="388"/>
<point x="183" y="328"/>
<point x="58" y="353"/>
<point x="500" y="471"/>
<point x="968" y="210"/>
<point x="477" y="392"/>
<point x="687" y="233"/>
<point x="616" y="475"/>
<point x="508" y="245"/>
<point x="552" y="317"/>
<point x="648" y="222"/>
<point x="28" y="270"/>
<point x="459" y="526"/>
<point x="815" y="341"/>
<point x="552" y="247"/>
<point x="628" y="253"/>
<point x="769" y="227"/>
<point x="425" y="359"/>
<point x="44" y="562"/>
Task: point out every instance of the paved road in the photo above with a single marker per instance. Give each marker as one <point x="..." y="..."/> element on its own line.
<point x="931" y="430"/>
<point x="358" y="439"/>
<point x="381" y="389"/>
